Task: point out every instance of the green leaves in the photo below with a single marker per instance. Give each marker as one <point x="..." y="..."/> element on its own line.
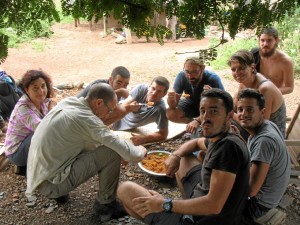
<point x="208" y="55"/>
<point x="196" y="15"/>
<point x="23" y="15"/>
<point x="3" y="47"/>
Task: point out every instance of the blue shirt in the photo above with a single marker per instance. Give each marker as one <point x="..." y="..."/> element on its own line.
<point x="182" y="84"/>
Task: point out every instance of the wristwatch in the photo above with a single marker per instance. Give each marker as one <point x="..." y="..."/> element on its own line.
<point x="167" y="205"/>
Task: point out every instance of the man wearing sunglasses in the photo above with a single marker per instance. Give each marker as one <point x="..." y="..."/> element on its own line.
<point x="185" y="98"/>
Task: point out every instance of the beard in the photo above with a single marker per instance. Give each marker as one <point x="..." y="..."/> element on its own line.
<point x="213" y="135"/>
<point x="269" y="53"/>
<point x="194" y="81"/>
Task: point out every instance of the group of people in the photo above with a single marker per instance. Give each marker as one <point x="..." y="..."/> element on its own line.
<point x="240" y="178"/>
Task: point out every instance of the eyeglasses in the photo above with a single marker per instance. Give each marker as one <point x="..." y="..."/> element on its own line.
<point x="109" y="109"/>
<point x="194" y="72"/>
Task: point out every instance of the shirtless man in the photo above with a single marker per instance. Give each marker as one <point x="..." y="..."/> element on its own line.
<point x="273" y="63"/>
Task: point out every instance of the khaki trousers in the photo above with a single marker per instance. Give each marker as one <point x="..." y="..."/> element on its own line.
<point x="102" y="161"/>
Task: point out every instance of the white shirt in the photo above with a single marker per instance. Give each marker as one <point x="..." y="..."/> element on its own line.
<point x="69" y="129"/>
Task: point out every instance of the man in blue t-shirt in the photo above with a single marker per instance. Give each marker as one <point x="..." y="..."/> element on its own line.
<point x="185" y="98"/>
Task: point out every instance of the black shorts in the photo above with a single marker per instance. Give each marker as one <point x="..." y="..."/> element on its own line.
<point x="190" y="109"/>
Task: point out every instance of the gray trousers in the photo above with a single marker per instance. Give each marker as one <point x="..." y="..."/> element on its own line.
<point x="102" y="161"/>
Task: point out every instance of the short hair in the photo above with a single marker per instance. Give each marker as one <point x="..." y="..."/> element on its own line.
<point x="244" y="57"/>
<point x="220" y="94"/>
<point x="160" y="80"/>
<point x="120" y="70"/>
<point x="32" y="75"/>
<point x="252" y="93"/>
<point x="101" y="91"/>
<point x="271" y="31"/>
<point x="194" y="60"/>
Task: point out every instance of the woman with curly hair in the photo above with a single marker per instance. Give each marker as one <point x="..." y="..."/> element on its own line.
<point x="26" y="116"/>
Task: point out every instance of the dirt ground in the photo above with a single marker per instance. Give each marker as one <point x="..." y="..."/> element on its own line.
<point x="75" y="55"/>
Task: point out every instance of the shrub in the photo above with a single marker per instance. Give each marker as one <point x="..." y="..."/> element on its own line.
<point x="26" y="36"/>
<point x="289" y="32"/>
<point x="227" y="49"/>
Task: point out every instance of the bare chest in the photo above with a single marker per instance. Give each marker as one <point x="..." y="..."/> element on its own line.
<point x="272" y="70"/>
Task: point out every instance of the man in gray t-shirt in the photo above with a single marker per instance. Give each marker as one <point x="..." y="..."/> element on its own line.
<point x="270" y="161"/>
<point x="145" y="105"/>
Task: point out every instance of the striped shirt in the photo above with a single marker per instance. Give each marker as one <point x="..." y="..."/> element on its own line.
<point x="23" y="121"/>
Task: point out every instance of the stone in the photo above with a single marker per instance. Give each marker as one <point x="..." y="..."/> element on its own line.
<point x="65" y="85"/>
<point x="30" y="204"/>
<point x="79" y="85"/>
<point x="49" y="210"/>
<point x="286" y="201"/>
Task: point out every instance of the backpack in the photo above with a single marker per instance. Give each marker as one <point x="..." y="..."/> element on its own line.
<point x="9" y="94"/>
<point x="255" y="53"/>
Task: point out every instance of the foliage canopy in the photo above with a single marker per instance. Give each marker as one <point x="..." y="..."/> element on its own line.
<point x="235" y="15"/>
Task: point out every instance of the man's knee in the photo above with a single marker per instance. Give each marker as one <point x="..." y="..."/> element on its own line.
<point x="121" y="189"/>
<point x="169" y="113"/>
<point x="122" y="192"/>
<point x="174" y="115"/>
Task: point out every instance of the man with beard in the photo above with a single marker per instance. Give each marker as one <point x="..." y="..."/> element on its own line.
<point x="189" y="84"/>
<point x="273" y="63"/>
<point x="270" y="161"/>
<point x="213" y="193"/>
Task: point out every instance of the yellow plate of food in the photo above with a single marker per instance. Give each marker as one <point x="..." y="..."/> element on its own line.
<point x="153" y="163"/>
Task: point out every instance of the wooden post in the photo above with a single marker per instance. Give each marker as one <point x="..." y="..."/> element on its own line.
<point x="128" y="35"/>
<point x="104" y="27"/>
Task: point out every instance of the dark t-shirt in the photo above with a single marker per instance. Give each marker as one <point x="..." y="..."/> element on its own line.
<point x="182" y="84"/>
<point x="228" y="154"/>
<point x="85" y="91"/>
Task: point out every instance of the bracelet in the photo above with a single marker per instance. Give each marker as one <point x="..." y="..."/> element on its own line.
<point x="196" y="119"/>
<point x="178" y="156"/>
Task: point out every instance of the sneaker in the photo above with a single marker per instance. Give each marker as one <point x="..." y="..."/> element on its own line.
<point x="62" y="199"/>
<point x="20" y="170"/>
<point x="2" y="123"/>
<point x="106" y="212"/>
